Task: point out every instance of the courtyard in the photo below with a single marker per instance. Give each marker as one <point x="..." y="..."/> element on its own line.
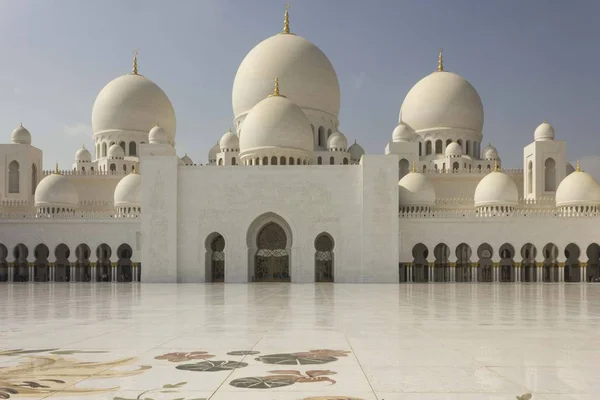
<point x="294" y="342"/>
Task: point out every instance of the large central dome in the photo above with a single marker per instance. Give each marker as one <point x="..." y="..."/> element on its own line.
<point x="442" y="100"/>
<point x="310" y="80"/>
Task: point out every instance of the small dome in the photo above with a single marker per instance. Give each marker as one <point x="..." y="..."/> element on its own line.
<point x="187" y="160"/>
<point x="337" y="141"/>
<point x="20" y="136"/>
<point x="356" y="152"/>
<point x="212" y="153"/>
<point x="544" y="131"/>
<point x="116" y="151"/>
<point x="403" y="133"/>
<point x="83" y="155"/>
<point x="490" y="153"/>
<point x="56" y="190"/>
<point x="229" y="141"/>
<point x="578" y="189"/>
<point x="128" y="192"/>
<point x="158" y="135"/>
<point x="416" y="190"/>
<point x="496" y="189"/>
<point x="454" y="150"/>
<point x="276" y="122"/>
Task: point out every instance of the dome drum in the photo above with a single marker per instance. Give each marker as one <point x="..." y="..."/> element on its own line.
<point x="578" y="191"/>
<point x="496" y="192"/>
<point x="55" y="194"/>
<point x="415" y="193"/>
<point x="275" y="156"/>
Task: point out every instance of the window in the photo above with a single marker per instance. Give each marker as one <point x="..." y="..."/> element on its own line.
<point x="438" y="146"/>
<point x="549" y="175"/>
<point x="132" y="149"/>
<point x="345" y="161"/>
<point x="233" y="161"/>
<point x="319" y="160"/>
<point x="13" y="177"/>
<point x="33" y="178"/>
<point x="428" y="149"/>
<point x="331" y="160"/>
<point x="273" y="160"/>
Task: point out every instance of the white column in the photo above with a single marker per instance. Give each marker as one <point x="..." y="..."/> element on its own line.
<point x="10" y="273"/>
<point x="93" y="269"/>
<point x="583" y="273"/>
<point x="31" y="277"/>
<point x="409" y="273"/>
<point x="51" y="271"/>
<point x="561" y="273"/>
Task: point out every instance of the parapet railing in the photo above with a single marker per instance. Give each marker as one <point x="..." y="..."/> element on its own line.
<point x="70" y="172"/>
<point x="68" y="216"/>
<point x="482" y="171"/>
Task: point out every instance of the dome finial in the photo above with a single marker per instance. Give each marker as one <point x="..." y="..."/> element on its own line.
<point x="496" y="166"/>
<point x="56" y="169"/>
<point x="134" y="169"/>
<point x="134" y="71"/>
<point x="414" y="166"/>
<point x="276" y="89"/>
<point x="286" y="19"/>
<point x="578" y="167"/>
<point x="441" y="61"/>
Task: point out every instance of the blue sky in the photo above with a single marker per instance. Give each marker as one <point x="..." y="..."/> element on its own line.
<point x="529" y="61"/>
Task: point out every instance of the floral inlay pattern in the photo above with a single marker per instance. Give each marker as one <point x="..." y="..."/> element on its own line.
<point x="212" y="366"/>
<point x="322" y="356"/>
<point x="181" y="357"/>
<point x="283" y="378"/>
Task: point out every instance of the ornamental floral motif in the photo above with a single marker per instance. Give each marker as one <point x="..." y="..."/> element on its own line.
<point x="322" y="356"/>
<point x="181" y="357"/>
<point x="283" y="378"/>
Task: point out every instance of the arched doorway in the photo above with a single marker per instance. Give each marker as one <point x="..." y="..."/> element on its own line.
<point x="403" y="168"/>
<point x="485" y="266"/>
<point x="324" y="258"/>
<point x="272" y="261"/>
<point x="62" y="270"/>
<point x="103" y="266"/>
<point x="21" y="267"/>
<point x="83" y="270"/>
<point x="463" y="263"/>
<point x="441" y="252"/>
<point x="528" y="265"/>
<point x="571" y="270"/>
<point x="3" y="263"/>
<point x="593" y="264"/>
<point x="124" y="265"/>
<point x="507" y="265"/>
<point x="550" y="271"/>
<point x="41" y="269"/>
<point x="215" y="258"/>
<point x="420" y="266"/>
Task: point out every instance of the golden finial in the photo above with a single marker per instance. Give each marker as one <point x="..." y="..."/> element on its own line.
<point x="276" y="89"/>
<point x="21" y="124"/>
<point x="56" y="170"/>
<point x="578" y="167"/>
<point x="414" y="166"/>
<point x="135" y="67"/>
<point x="496" y="166"/>
<point x="134" y="170"/>
<point x="441" y="60"/>
<point x="286" y="19"/>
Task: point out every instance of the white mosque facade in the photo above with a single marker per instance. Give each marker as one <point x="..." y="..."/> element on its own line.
<point x="286" y="198"/>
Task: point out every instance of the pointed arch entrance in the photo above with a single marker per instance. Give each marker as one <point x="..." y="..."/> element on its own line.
<point x="324" y="258"/>
<point x="215" y="258"/>
<point x="269" y="242"/>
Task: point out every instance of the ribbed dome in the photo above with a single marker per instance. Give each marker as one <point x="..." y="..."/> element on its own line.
<point x="158" y="135"/>
<point x="356" y="152"/>
<point x="453" y="150"/>
<point x="83" y="155"/>
<point x="56" y="190"/>
<point x="276" y="122"/>
<point x="309" y="78"/>
<point x="20" y="136"/>
<point x="132" y="103"/>
<point x="337" y="141"/>
<point x="442" y="100"/>
<point x="128" y="192"/>
<point x="116" y="151"/>
<point x="496" y="189"/>
<point x="578" y="189"/>
<point x="416" y="190"/>
<point x="544" y="131"/>
<point x="490" y="153"/>
<point x="187" y="160"/>
<point x="229" y="141"/>
<point x="403" y="133"/>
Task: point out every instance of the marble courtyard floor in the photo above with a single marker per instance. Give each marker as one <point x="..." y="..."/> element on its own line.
<point x="295" y="342"/>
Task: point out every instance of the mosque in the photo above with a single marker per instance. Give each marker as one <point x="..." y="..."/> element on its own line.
<point x="284" y="198"/>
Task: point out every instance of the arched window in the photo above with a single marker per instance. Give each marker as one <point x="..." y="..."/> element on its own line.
<point x="529" y="177"/>
<point x="319" y="160"/>
<point x="82" y="170"/>
<point x="320" y="137"/>
<point x="282" y="160"/>
<point x="92" y="169"/>
<point x="273" y="160"/>
<point x="33" y="178"/>
<point x="13" y="177"/>
<point x="132" y="149"/>
<point x="455" y="166"/>
<point x="345" y="161"/>
<point x="220" y="161"/>
<point x="124" y="168"/>
<point x="549" y="175"/>
<point x="104" y="149"/>
<point x="233" y="161"/>
<point x="438" y="146"/>
<point x="428" y="146"/>
<point x="331" y="160"/>
<point x="113" y="167"/>
<point x="122" y="144"/>
<point x="291" y="160"/>
<point x="468" y="149"/>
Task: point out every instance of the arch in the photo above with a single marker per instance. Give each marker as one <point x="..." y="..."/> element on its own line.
<point x="233" y="161"/>
<point x="403" y="168"/>
<point x="572" y="268"/>
<point x="420" y="266"/>
<point x="345" y="161"/>
<point x="103" y="265"/>
<point x="324" y="260"/>
<point x="528" y="264"/>
<point x="83" y="270"/>
<point x="21" y="267"/>
<point x="124" y="264"/>
<point x="13" y="177"/>
<point x="455" y="166"/>
<point x="214" y="245"/>
<point x="424" y="168"/>
<point x="530" y="177"/>
<point x="593" y="264"/>
<point x="463" y="263"/>
<point x="331" y="160"/>
<point x="220" y="161"/>
<point x="104" y="149"/>
<point x="549" y="175"/>
<point x="428" y="146"/>
<point x="319" y="160"/>
<point x="113" y="168"/>
<point x="282" y="160"/>
<point x="274" y="160"/>
<point x="507" y="265"/>
<point x="550" y="264"/>
<point x="3" y="263"/>
<point x="41" y="267"/>
<point x="269" y="250"/>
<point x="468" y="147"/>
<point x="441" y="272"/>
<point x="485" y="266"/>
<point x="62" y="270"/>
<point x="265" y="161"/>
<point x="122" y="144"/>
<point x="34" y="178"/>
<point x="124" y="168"/>
<point x="132" y="148"/>
<point x="438" y="147"/>
<point x="292" y="160"/>
<point x="320" y="138"/>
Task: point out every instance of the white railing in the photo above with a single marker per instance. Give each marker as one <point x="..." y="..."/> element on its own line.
<point x="69" y="172"/>
<point x="482" y="171"/>
<point x="475" y="214"/>
<point x="99" y="215"/>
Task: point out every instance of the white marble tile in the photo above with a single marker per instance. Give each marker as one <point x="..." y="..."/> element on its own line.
<point x="575" y="380"/>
